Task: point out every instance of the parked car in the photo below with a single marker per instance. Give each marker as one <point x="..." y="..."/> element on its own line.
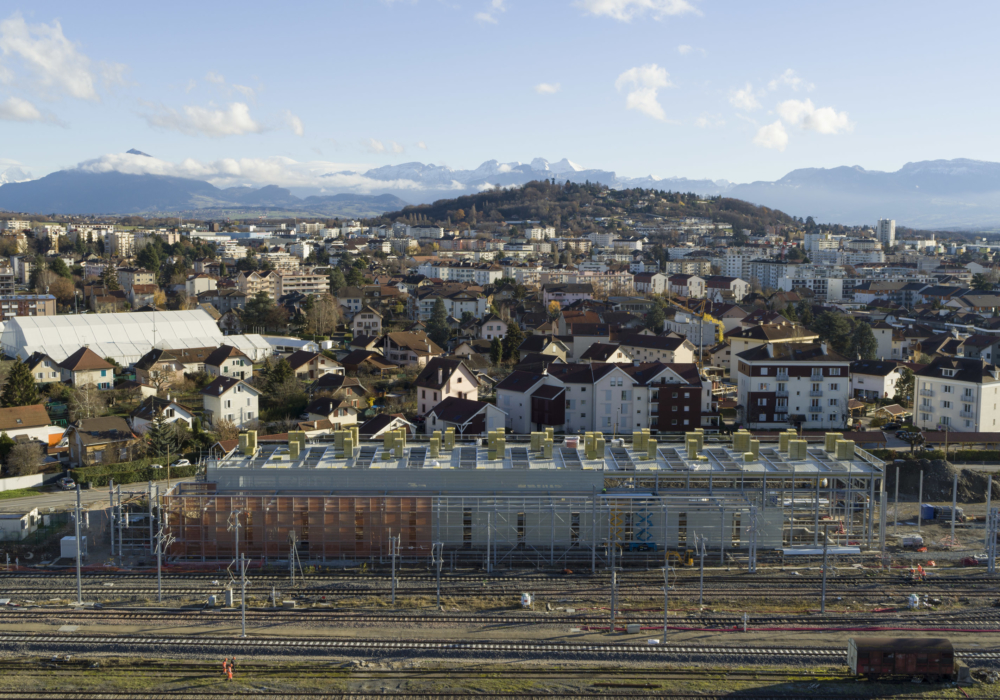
<point x="890" y="426"/>
<point x="66" y="483"/>
<point x="156" y="466"/>
<point x="181" y="463"/>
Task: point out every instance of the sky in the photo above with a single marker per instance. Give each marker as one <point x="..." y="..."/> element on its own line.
<point x="284" y="93"/>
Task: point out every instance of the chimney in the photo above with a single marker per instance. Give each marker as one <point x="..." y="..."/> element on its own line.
<point x="823" y="347"/>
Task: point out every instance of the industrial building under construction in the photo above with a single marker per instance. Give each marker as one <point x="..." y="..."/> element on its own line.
<point x="551" y="501"/>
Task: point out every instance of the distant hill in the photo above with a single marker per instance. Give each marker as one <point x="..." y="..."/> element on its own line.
<point x="84" y="192"/>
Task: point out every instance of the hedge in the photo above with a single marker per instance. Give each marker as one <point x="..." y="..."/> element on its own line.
<point x="955" y="455"/>
<point x="128" y="472"/>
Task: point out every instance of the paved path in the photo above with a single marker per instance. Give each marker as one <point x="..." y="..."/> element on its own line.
<point x="63" y="500"/>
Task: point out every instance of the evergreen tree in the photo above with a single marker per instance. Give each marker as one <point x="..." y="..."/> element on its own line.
<point x="863" y="343"/>
<point x="20" y="389"/>
<point x="804" y="311"/>
<point x="437" y="326"/>
<point x="161" y="436"/>
<point x="223" y="270"/>
<point x="496" y="351"/>
<point x="655" y="318"/>
<point x="279" y="374"/>
<point x="789" y="313"/>
<point x="836" y="330"/>
<point x="6" y="443"/>
<point x="109" y="278"/>
<point x="512" y="341"/>
<point x="337" y="281"/>
<point x="355" y="277"/>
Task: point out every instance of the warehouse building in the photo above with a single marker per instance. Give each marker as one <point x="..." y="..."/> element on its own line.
<point x="539" y="503"/>
<point x="122" y="337"/>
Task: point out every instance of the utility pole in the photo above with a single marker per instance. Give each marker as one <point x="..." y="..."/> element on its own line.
<point x="895" y="511"/>
<point x="701" y="574"/>
<point x="79" y="581"/>
<point x="150" y="516"/>
<point x="666" y="588"/>
<point x="826" y="533"/>
<point x="243" y="594"/>
<point x="111" y="513"/>
<point x="954" y="504"/>
<point x="121" y="524"/>
<point x="234" y="527"/>
<point x="161" y="544"/>
<point x="438" y="561"/>
<point x="920" y="501"/>
<point x="393" y="552"/>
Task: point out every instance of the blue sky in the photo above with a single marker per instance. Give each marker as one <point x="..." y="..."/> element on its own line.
<point x="265" y="92"/>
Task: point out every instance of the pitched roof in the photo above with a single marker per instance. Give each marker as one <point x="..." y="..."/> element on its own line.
<point x="223" y="353"/>
<point x="94" y="431"/>
<point x="85" y="359"/>
<point x="415" y="341"/>
<point x="961" y="369"/>
<point x="223" y="384"/>
<point x="301" y="357"/>
<point x="876" y="368"/>
<point x="359" y="357"/>
<point x="520" y="381"/>
<point x="23" y="417"/>
<point x="378" y="424"/>
<point x="791" y="352"/>
<point x="771" y="332"/>
<point x="324" y="406"/>
<point x="456" y="410"/>
<point x="428" y="378"/>
<point x="600" y="352"/>
<point x="152" y="405"/>
<point x="653" y="342"/>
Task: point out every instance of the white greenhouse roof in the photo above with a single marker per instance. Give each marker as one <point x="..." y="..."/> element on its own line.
<point x="125" y="337"/>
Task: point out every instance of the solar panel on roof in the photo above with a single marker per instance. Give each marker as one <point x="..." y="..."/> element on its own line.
<point x="519" y="457"/>
<point x="468" y="457"/>
<point x="571" y="457"/>
<point x="622" y="458"/>
<point x="366" y="456"/>
<point x="416" y="458"/>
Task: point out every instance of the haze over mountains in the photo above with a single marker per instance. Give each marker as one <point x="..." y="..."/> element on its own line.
<point x="958" y="193"/>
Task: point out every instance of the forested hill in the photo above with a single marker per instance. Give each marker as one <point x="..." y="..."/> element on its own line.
<point x="574" y="207"/>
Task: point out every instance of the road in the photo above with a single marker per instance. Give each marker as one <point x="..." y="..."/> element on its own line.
<point x="63" y="500"/>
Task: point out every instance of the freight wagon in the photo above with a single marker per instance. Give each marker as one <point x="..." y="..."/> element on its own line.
<point x="932" y="658"/>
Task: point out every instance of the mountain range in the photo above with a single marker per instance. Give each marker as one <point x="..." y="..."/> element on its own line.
<point x="955" y="194"/>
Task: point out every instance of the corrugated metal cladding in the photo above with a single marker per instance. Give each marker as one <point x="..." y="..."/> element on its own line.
<point x="408" y="480"/>
<point x="125" y="337"/>
<point x="325" y="527"/>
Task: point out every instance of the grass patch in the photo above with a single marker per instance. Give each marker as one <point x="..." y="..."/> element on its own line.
<point x="20" y="493"/>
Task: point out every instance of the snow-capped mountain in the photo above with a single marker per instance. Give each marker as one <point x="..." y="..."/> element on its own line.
<point x="14" y="175"/>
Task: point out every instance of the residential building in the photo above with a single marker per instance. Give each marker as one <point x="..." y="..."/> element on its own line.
<point x="466" y="416"/>
<point x="492" y="327"/>
<point x="543" y="345"/>
<point x="875" y="379"/>
<point x="159" y="368"/>
<point x="43" y="368"/>
<point x="778" y="333"/>
<point x="650" y="282"/>
<point x="252" y="283"/>
<point x="309" y="365"/>
<point x="228" y="361"/>
<point x="688" y="266"/>
<point x="339" y="412"/>
<point x="230" y="399"/>
<point x="885" y="231"/>
<point x="367" y="321"/>
<point x="411" y="348"/>
<point x="226" y="299"/>
<point x="27" y="305"/>
<point x="686" y="286"/>
<point x="101" y="441"/>
<point x="145" y="413"/>
<point x="604" y="352"/>
<point x="200" y="284"/>
<point x="803" y="385"/>
<point x="85" y="367"/>
<point x="301" y="282"/>
<point x="130" y="276"/>
<point x="120" y="243"/>
<point x="443" y="378"/>
<point x="458" y="299"/>
<point x="566" y="294"/>
<point x="959" y="394"/>
<point x="374" y="428"/>
<point x="720" y="288"/>
<point x="668" y="349"/>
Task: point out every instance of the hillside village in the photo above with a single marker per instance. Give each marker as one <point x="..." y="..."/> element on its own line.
<point x="130" y="340"/>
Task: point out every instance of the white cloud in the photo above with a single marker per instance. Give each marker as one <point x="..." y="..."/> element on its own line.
<point x="374" y="146"/>
<point x="247" y="92"/>
<point x="644" y="83"/>
<point x="192" y="84"/>
<point x="17" y="110"/>
<point x="709" y="121"/>
<point x="744" y="99"/>
<point x="490" y="16"/>
<point x="625" y="10"/>
<point x="396" y="148"/>
<point x="790" y="79"/>
<point x="822" y="120"/>
<point x="772" y="136"/>
<point x="684" y="49"/>
<point x="421" y="145"/>
<point x="231" y="172"/>
<point x="206" y="121"/>
<point x="56" y="66"/>
<point x="213" y="77"/>
<point x="547" y="88"/>
<point x="294" y="123"/>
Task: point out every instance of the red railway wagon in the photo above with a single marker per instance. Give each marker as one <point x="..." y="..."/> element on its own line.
<point x="931" y="657"/>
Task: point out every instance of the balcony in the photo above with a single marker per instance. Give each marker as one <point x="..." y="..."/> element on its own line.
<point x="967" y="414"/>
<point x="816" y="392"/>
<point x="927" y="392"/>
<point x="781" y="393"/>
<point x="815" y="409"/>
<point x="817" y="377"/>
<point x="782" y="376"/>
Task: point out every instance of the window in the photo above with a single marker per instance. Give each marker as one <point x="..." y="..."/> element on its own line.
<point x="687" y="409"/>
<point x="947" y="388"/>
<point x="687" y="394"/>
<point x="948" y="373"/>
<point x="583" y="415"/>
<point x="763" y="418"/>
<point x="945" y="420"/>
<point x="228" y="404"/>
<point x="968" y="391"/>
<point x="763" y="386"/>
<point x="833" y="416"/>
<point x="968" y="423"/>
<point x="815" y="387"/>
<point x="104" y="372"/>
<point x="925" y="416"/>
<point x="674" y="395"/>
<point x="674" y="409"/>
<point x="763" y="371"/>
<point x="946" y="404"/>
<point x="835" y="371"/>
<point x="761" y="402"/>
<point x="834" y="387"/>
<point x="673" y="422"/>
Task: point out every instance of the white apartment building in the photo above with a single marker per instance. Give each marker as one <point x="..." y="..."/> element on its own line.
<point x="231" y="399"/>
<point x="121" y="243"/>
<point x="885" y="231"/>
<point x="15" y="225"/>
<point x="540" y="233"/>
<point x="957" y="393"/>
<point x="303" y="283"/>
<point x="803" y="386"/>
<point x="825" y="286"/>
<point x="302" y="249"/>
<point x="425" y="231"/>
<point x="689" y="266"/>
<point x="280" y="260"/>
<point x="601" y="240"/>
<point x="479" y="274"/>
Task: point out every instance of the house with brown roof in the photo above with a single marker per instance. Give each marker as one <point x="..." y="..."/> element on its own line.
<point x="30" y="421"/>
<point x="85" y="367"/>
<point x="227" y="361"/>
<point x="412" y="348"/>
<point x="145" y="413"/>
<point x="309" y="365"/>
<point x="43" y="368"/>
<point x="339" y="412"/>
<point x="442" y="378"/>
<point x="367" y="361"/>
<point x="158" y="368"/>
<point x="785" y="333"/>
<point x="467" y="417"/>
<point x="101" y="441"/>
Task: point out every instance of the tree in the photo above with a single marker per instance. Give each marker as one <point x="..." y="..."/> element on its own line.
<point x="109" y="278"/>
<point x="24" y="458"/>
<point x="904" y="388"/>
<point x="323" y="315"/>
<point x="437" y="326"/>
<point x="278" y="375"/>
<point x="59" y="267"/>
<point x="835" y="329"/>
<point x="789" y="313"/>
<point x="863" y="343"/>
<point x="655" y="318"/>
<point x="223" y="270"/>
<point x="496" y="351"/>
<point x="355" y="277"/>
<point x="160" y="435"/>
<point x="512" y="341"/>
<point x="6" y="443"/>
<point x="337" y="281"/>
<point x="86" y="401"/>
<point x="554" y="309"/>
<point x="804" y="311"/>
<point x="262" y="311"/>
<point x="225" y="429"/>
<point x="20" y="389"/>
<point x="150" y="257"/>
<point x="981" y="282"/>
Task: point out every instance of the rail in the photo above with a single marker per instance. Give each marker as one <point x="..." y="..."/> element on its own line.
<point x="869" y="457"/>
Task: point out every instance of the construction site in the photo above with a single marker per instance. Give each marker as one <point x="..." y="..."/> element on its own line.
<point x="547" y="502"/>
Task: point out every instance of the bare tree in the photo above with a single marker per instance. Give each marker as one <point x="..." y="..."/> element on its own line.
<point x="226" y="429"/>
<point x="323" y="317"/>
<point x="87" y="401"/>
<point x="25" y="458"/>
